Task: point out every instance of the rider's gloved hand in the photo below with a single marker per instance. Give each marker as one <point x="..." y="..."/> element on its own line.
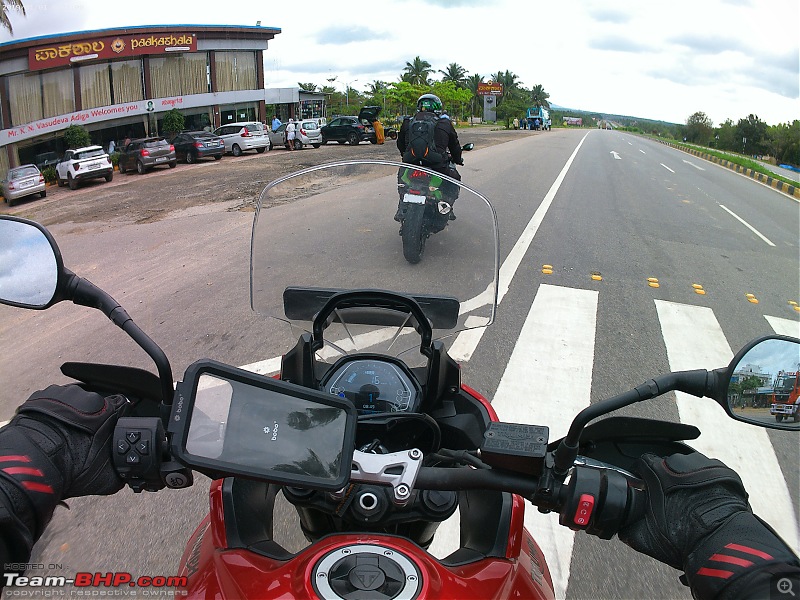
<point x="699" y="521"/>
<point x="57" y="446"/>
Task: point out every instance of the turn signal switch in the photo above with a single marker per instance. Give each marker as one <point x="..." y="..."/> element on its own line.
<point x="140" y="450"/>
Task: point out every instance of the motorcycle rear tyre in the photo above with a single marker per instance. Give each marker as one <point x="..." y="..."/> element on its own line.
<point x="413" y="233"/>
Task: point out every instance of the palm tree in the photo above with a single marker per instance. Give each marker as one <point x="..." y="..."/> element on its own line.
<point x="471" y="83"/>
<point x="417" y="72"/>
<point x="16" y="5"/>
<point x="455" y="73"/>
<point x="539" y="96"/>
<point x="308" y="87"/>
<point x="509" y="81"/>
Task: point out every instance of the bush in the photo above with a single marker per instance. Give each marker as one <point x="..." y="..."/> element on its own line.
<point x="173" y="122"/>
<point x="76" y="136"/>
<point x="114" y="158"/>
<point x="49" y="174"/>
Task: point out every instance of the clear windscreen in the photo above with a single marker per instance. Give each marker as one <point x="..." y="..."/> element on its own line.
<point x="333" y="228"/>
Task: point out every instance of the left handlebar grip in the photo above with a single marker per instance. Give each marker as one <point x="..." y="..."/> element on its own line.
<point x="139" y="453"/>
<point x="601" y="501"/>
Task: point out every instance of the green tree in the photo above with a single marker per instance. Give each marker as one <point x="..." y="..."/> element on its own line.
<point x="725" y="136"/>
<point x="455" y="73"/>
<point x="752" y="134"/>
<point x="539" y="97"/>
<point x="509" y="81"/>
<point x="417" y="72"/>
<point x="15" y="5"/>
<point x="784" y="140"/>
<point x="405" y="95"/>
<point x="76" y="136"/>
<point x="472" y="83"/>
<point x="308" y="87"/>
<point x="173" y="122"/>
<point x="698" y="128"/>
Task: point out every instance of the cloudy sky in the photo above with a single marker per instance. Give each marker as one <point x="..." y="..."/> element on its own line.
<point x="645" y="58"/>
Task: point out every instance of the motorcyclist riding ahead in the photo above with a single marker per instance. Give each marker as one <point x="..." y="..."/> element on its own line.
<point x="430" y="141"/>
<point x="59" y="445"/>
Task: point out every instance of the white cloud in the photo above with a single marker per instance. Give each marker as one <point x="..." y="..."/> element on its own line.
<point x="658" y="60"/>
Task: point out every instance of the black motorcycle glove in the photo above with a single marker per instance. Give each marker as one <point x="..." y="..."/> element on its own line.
<point x="699" y="521"/>
<point x="58" y="446"/>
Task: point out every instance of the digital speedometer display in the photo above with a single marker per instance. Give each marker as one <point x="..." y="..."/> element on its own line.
<point x="373" y="386"/>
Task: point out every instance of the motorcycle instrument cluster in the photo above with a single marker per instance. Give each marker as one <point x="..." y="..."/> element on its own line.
<point x="373" y="386"/>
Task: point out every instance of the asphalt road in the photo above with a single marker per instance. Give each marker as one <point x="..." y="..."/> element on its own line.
<point x="649" y="213"/>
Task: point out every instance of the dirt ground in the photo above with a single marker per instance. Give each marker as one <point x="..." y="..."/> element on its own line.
<point x="232" y="183"/>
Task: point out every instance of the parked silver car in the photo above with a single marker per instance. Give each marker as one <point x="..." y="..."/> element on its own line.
<point x="307" y="133"/>
<point x="239" y="137"/>
<point x="23" y="181"/>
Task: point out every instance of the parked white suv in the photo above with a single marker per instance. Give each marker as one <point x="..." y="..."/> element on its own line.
<point x="239" y="137"/>
<point x="81" y="164"/>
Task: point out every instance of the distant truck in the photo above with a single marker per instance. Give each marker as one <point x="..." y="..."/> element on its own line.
<point x="786" y="397"/>
<point x="538" y="118"/>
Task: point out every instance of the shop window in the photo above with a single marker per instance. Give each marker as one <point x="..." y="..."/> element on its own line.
<point x="235" y="71"/>
<point x="95" y="86"/>
<point x="58" y="93"/>
<point x="178" y="75"/>
<point x="126" y="77"/>
<point x="25" y="98"/>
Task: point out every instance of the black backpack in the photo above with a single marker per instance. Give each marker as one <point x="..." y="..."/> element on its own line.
<point x="420" y="144"/>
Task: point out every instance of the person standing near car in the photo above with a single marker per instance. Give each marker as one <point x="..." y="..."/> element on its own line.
<point x="291" y="130"/>
<point x="276" y="122"/>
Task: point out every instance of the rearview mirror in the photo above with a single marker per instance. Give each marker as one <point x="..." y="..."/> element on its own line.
<point x="763" y="383"/>
<point x="30" y="264"/>
<point x="469" y="146"/>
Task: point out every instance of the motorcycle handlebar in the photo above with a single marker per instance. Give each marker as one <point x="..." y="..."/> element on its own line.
<point x="597" y="500"/>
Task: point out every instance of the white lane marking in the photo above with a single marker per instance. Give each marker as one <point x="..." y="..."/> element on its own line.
<point x="642" y="151"/>
<point x="554" y="352"/>
<point x="694" y="165"/>
<point x="615" y="155"/>
<point x="464" y="345"/>
<point x="694" y="340"/>
<point x="746" y="224"/>
<point x="666" y="167"/>
<point x="784" y="326"/>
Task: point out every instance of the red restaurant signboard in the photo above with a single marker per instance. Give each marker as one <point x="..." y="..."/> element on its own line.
<point x="118" y="46"/>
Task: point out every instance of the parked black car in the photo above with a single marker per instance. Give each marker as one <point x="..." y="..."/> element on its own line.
<point x="352" y="130"/>
<point x="194" y="145"/>
<point x="145" y="153"/>
<point x="45" y="160"/>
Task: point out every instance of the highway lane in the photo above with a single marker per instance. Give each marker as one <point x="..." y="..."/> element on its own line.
<point x="627" y="223"/>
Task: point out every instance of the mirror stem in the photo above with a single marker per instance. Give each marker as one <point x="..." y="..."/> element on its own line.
<point x="697" y="383"/>
<point x="84" y="293"/>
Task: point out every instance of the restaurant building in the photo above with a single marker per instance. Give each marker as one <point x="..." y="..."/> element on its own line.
<point x="120" y="82"/>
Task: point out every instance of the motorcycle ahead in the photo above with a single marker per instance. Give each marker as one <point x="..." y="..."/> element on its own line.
<point x="368" y="430"/>
<point x="426" y="206"/>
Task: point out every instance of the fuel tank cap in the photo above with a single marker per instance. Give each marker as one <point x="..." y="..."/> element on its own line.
<point x="366" y="571"/>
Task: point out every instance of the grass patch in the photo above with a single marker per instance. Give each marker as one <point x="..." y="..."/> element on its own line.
<point x="743" y="161"/>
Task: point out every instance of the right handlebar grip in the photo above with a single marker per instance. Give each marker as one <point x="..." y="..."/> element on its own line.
<point x="601" y="501"/>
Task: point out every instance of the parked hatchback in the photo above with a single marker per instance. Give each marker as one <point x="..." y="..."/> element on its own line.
<point x="307" y="133"/>
<point x="194" y="145"/>
<point x="145" y="153"/>
<point x="239" y="137"/>
<point x="23" y="181"/>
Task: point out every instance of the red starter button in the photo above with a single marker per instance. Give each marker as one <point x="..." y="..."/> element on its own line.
<point x="584" y="512"/>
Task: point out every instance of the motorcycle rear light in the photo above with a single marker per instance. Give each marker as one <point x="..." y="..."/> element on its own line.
<point x="145" y="152"/>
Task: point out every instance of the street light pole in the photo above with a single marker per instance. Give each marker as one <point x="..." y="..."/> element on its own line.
<point x="347" y="91"/>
